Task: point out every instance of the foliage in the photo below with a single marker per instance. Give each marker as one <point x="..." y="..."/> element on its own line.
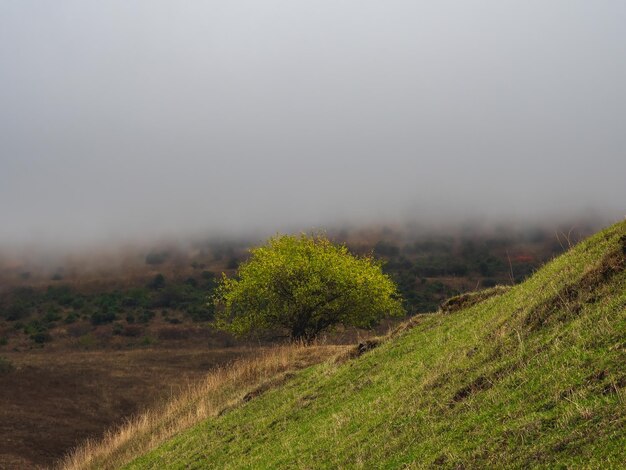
<point x="156" y="257"/>
<point x="158" y="282"/>
<point x="6" y="366"/>
<point x="532" y="377"/>
<point x="71" y="318"/>
<point x="305" y="285"/>
<point x="146" y="316"/>
<point x="41" y="337"/>
<point x="103" y="317"/>
<point x="16" y="311"/>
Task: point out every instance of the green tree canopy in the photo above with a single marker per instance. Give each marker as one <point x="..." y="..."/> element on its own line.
<point x="305" y="285"/>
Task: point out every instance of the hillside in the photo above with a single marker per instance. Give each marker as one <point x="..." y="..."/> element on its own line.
<point x="533" y="375"/>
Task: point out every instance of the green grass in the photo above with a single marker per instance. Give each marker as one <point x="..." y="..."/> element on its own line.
<point x="533" y="377"/>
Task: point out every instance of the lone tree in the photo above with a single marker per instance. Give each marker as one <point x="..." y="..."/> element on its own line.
<point x="305" y="285"/>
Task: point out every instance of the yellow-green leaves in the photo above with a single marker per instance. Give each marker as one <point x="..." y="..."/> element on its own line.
<point x="305" y="285"/>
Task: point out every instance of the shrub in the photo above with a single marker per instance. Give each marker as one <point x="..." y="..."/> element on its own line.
<point x="146" y="316"/>
<point x="103" y="317"/>
<point x="204" y="313"/>
<point x="41" y="337"/>
<point x="51" y="316"/>
<point x="138" y="297"/>
<point x="305" y="285"/>
<point x="158" y="282"/>
<point x="71" y="318"/>
<point x="16" y="311"/>
<point x="62" y="295"/>
<point x="147" y="341"/>
<point x="108" y="301"/>
<point x="156" y="257"/>
<point x="6" y="366"/>
<point x="172" y="296"/>
<point x="118" y="329"/>
<point x="35" y="326"/>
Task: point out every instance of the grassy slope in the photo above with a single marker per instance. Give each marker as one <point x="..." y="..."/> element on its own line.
<point x="533" y="377"/>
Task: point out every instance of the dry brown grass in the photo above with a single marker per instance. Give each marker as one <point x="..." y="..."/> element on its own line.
<point x="221" y="389"/>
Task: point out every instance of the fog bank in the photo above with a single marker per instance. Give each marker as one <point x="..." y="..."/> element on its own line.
<point x="122" y="120"/>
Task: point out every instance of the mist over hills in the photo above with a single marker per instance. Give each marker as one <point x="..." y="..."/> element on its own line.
<point x="122" y="122"/>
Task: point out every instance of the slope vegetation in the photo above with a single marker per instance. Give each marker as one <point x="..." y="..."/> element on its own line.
<point x="532" y="376"/>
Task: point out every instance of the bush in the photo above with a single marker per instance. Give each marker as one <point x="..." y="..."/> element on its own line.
<point x="147" y="341"/>
<point x="51" y="316"/>
<point x="109" y="301"/>
<point x="62" y="295"/>
<point x="204" y="313"/>
<point x="146" y="316"/>
<point x="305" y="285"/>
<point x="158" y="282"/>
<point x="103" y="317"/>
<point x="71" y="318"/>
<point x="157" y="257"/>
<point x="16" y="311"/>
<point x="41" y="337"/>
<point x="6" y="366"/>
<point x="136" y="298"/>
<point x="172" y="296"/>
<point x="35" y="326"/>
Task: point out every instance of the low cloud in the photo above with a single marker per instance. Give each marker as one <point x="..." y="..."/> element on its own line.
<point x="125" y="121"/>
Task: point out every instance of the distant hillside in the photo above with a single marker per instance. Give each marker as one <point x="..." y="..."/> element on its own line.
<point x="532" y="376"/>
<point x="159" y="294"/>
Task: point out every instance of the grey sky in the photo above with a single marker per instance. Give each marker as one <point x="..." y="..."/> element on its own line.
<point x="123" y="118"/>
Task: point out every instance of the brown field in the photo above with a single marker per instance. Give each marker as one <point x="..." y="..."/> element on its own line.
<point x="53" y="400"/>
<point x="56" y="397"/>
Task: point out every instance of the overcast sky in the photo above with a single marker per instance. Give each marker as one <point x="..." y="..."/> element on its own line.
<point x="128" y="118"/>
